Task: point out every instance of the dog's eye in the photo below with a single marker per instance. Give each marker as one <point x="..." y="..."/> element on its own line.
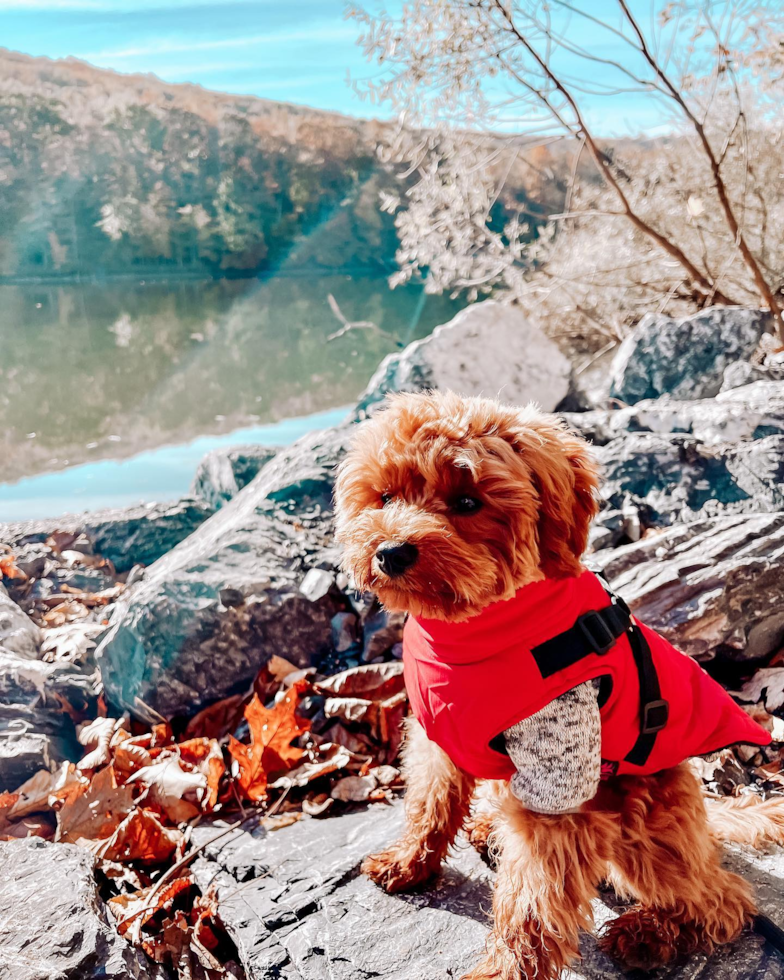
<point x="385" y="498"/>
<point x="466" y="505"/>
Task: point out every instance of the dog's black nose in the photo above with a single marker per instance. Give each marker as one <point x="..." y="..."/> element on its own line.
<point x="394" y="559"/>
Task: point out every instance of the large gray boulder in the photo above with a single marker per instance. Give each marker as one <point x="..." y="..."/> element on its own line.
<point x="53" y="923"/>
<point x="209" y="614"/>
<point x="712" y="587"/>
<point x="488" y="349"/>
<point x="684" y="357"/>
<point x="222" y="473"/>
<point x="297" y="907"/>
<point x="126" y="536"/>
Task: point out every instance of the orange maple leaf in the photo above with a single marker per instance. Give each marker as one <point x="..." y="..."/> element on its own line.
<point x="270" y="752"/>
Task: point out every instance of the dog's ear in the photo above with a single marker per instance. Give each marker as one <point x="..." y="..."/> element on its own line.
<point x="566" y="479"/>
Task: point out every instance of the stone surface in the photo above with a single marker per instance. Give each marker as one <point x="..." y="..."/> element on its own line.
<point x="18" y="633"/>
<point x="741" y="414"/>
<point x="224" y="472"/>
<point x="713" y="587"/>
<point x="53" y="923"/>
<point x="129" y="536"/>
<point x="686" y="357"/>
<point x="487" y="349"/>
<point x="673" y="477"/>
<point x="174" y="645"/>
<point x="311" y="915"/>
<point x="297" y="908"/>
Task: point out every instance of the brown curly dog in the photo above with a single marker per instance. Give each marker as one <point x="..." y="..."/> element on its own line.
<point x="650" y="837"/>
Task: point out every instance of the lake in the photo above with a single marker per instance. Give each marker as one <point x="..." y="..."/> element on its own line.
<point x="110" y="393"/>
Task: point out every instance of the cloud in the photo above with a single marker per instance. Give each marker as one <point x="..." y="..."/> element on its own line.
<point x="165" y="46"/>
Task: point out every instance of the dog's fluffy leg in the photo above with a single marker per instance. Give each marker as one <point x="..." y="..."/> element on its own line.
<point x="668" y="861"/>
<point x="548" y="871"/>
<point x="746" y="820"/>
<point x="437" y="801"/>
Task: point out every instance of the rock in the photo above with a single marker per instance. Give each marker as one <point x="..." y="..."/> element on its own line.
<point x="296" y="906"/>
<point x="127" y="537"/>
<point x="673" y="478"/>
<point x="32" y="738"/>
<point x="174" y="646"/>
<point x="381" y="630"/>
<point x="712" y="587"/>
<point x="751" y="412"/>
<point x="344" y="631"/>
<point x="53" y="923"/>
<point x="222" y="473"/>
<point x="317" y="583"/>
<point x="487" y="349"/>
<point x="312" y="916"/>
<point x="18" y="633"/>
<point x="686" y="357"/>
<point x="739" y="374"/>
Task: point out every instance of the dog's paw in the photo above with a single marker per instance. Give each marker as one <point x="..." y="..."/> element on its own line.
<point x="398" y="872"/>
<point x="643" y="939"/>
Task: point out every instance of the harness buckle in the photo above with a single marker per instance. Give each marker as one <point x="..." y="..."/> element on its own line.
<point x="596" y="631"/>
<point x="654" y="717"/>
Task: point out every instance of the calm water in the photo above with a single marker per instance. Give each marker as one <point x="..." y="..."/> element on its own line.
<point x="109" y="394"/>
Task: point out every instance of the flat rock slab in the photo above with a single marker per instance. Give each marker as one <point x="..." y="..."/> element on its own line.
<point x="53" y="923"/>
<point x="713" y="588"/>
<point x="297" y="907"/>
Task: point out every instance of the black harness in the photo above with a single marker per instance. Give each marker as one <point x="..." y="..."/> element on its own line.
<point x="597" y="632"/>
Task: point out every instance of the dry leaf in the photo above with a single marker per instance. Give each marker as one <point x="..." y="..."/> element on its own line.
<point x="96" y="736"/>
<point x="127" y="909"/>
<point x="70" y="643"/>
<point x="375" y="682"/>
<point x="97" y="811"/>
<point x="140" y="837"/>
<point x="769" y="680"/>
<point x="218" y="719"/>
<point x="42" y="790"/>
<point x="65" y="612"/>
<point x="353" y="789"/>
<point x="129" y="755"/>
<point x="8" y="568"/>
<point x="168" y="784"/>
<point x="272" y="730"/>
<point x="325" y="758"/>
<point x="206" y="755"/>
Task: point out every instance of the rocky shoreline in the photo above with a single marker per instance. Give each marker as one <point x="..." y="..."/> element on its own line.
<point x="163" y="609"/>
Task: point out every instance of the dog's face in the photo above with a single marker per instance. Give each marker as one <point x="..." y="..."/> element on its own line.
<point x="445" y="504"/>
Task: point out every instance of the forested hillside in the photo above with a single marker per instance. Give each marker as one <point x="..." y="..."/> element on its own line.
<point x="102" y="173"/>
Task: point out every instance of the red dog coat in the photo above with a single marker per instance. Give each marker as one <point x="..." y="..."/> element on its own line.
<point x="469" y="682"/>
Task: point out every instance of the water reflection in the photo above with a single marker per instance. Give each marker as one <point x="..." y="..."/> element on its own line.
<point x="91" y="372"/>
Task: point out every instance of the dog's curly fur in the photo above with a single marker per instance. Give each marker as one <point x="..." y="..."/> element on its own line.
<point x="650" y="837"/>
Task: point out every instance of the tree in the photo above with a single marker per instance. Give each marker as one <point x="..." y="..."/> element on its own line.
<point x="693" y="218"/>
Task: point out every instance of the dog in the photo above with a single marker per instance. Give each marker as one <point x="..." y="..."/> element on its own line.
<point x="454" y="509"/>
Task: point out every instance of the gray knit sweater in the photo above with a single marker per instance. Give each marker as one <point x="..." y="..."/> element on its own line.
<point x="558" y="752"/>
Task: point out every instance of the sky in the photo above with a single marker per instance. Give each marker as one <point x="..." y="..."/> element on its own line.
<point x="289" y="50"/>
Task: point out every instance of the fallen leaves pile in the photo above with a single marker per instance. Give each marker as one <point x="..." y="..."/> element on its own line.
<point x="297" y="743"/>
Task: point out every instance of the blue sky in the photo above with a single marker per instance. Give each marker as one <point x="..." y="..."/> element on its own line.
<point x="296" y="51"/>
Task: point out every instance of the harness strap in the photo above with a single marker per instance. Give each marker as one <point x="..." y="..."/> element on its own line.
<point x="654" y="711"/>
<point x="597" y="632"/>
<point x="594" y="632"/>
